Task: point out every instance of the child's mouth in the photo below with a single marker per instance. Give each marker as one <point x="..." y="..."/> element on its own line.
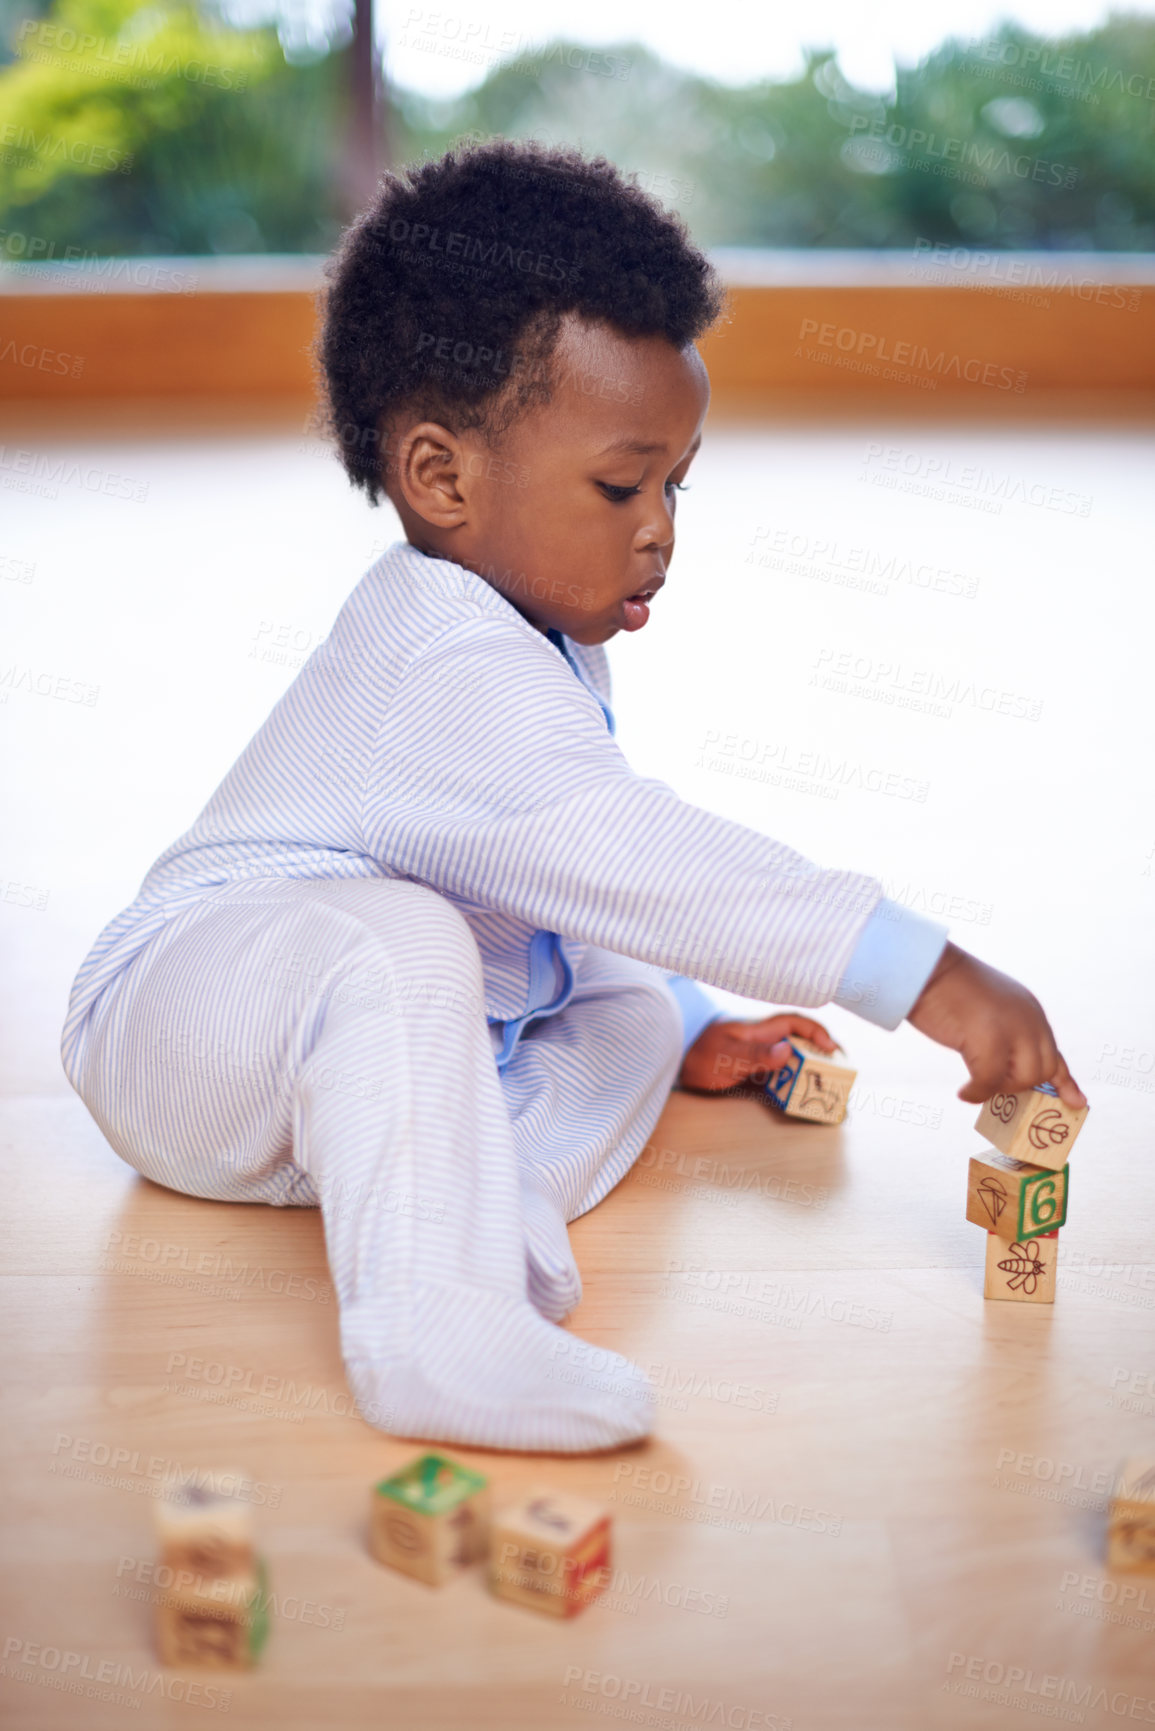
<point x="636" y="608"/>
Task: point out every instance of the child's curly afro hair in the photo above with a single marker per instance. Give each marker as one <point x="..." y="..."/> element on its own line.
<point x="445" y="297"/>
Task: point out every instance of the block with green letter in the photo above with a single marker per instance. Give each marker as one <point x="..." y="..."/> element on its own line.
<point x="1016" y="1201"/>
<point x="430" y="1520"/>
<point x="212" y="1608"/>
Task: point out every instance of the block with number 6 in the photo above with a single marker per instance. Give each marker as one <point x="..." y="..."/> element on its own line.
<point x="1014" y="1200"/>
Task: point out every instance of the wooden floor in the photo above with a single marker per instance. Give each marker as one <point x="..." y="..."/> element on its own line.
<point x="873" y="1502"/>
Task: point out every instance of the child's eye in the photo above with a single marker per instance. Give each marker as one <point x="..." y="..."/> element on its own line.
<point x="617" y="494"/>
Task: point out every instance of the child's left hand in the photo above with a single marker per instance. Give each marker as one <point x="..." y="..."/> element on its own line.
<point x="728" y="1053"/>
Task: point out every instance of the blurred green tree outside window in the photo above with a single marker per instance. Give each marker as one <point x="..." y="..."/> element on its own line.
<point x="168" y="129"/>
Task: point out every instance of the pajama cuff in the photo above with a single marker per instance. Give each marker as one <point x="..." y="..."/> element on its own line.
<point x="891" y="963"/>
<point x="697" y="1008"/>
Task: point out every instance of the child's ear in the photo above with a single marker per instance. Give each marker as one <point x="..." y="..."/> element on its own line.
<point x="432" y="474"/>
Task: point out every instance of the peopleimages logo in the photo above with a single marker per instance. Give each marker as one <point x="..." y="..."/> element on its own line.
<point x="1010" y="1685"/>
<point x="876" y="346"/>
<point x="102" y="1679"/>
<point x="987" y="158"/>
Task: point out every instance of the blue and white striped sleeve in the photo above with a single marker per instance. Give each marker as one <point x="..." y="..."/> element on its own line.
<point x="891" y="964"/>
<point x="892" y="961"/>
<point x="493" y="777"/>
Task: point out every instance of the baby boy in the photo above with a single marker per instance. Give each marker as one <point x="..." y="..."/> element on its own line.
<point x="428" y="957"/>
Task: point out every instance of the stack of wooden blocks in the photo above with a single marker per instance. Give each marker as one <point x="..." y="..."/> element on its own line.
<point x="213" y="1606"/>
<point x="545" y="1549"/>
<point x="1019" y="1193"/>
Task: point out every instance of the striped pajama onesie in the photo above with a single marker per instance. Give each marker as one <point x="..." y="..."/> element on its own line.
<point x="426" y="960"/>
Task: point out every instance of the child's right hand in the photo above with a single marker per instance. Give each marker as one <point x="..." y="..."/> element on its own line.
<point x="997" y="1025"/>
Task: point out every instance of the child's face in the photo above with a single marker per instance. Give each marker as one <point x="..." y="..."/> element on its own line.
<point x="570" y="530"/>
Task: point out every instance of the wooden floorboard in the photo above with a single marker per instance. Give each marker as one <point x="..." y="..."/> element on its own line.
<point x="873" y="1502"/>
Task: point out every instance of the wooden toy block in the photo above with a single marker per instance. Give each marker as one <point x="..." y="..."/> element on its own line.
<point x="429" y="1520"/>
<point x="811" y="1085"/>
<point x="550" y="1550"/>
<point x="220" y="1624"/>
<point x="1022" y="1272"/>
<point x="1014" y="1200"/>
<point x="1034" y="1126"/>
<point x="1131" y="1522"/>
<point x="213" y="1607"/>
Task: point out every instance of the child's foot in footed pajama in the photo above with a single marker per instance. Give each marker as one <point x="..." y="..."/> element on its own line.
<point x="451" y="1363"/>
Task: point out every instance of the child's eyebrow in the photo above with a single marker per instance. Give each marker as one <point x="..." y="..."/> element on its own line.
<point x="638" y="448"/>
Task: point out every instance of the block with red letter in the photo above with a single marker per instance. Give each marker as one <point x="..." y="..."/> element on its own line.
<point x="550" y="1550"/>
<point x="1035" y="1125"/>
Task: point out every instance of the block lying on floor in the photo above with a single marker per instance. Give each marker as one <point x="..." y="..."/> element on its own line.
<point x="550" y="1550"/>
<point x="429" y="1520"/>
<point x="213" y="1608"/>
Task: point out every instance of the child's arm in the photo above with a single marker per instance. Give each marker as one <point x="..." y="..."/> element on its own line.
<point x="996" y="1025"/>
<point x="493" y="778"/>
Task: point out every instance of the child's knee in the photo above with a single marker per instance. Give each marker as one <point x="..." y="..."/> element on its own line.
<point x="418" y="953"/>
<point x="445" y="947"/>
<point x="413" y="930"/>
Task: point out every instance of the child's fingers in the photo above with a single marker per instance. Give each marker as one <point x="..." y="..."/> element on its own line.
<point x="978" y="1089"/>
<point x="1028" y="1065"/>
<point x="987" y="1063"/>
<point x="992" y="1070"/>
<point x="1066" y="1087"/>
<point x="813" y="1031"/>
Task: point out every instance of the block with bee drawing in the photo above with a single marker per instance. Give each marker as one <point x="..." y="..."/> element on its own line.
<point x="1034" y="1125"/>
<point x="1021" y="1270"/>
<point x="1131" y="1521"/>
<point x="811" y="1084"/>
<point x="429" y="1520"/>
<point x="1014" y="1200"/>
<point x="551" y="1551"/>
<point x="212" y="1604"/>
